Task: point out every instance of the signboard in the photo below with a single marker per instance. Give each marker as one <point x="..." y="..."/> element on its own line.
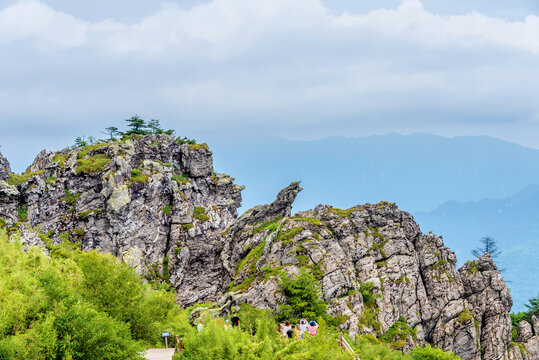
<point x="165" y="334"/>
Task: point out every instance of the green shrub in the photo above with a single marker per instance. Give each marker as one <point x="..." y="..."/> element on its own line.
<point x="429" y="353"/>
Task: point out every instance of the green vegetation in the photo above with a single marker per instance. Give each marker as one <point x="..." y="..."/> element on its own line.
<point x="60" y="159"/>
<point x="186" y="227"/>
<point x="137" y="176"/>
<point x="22" y="213"/>
<point x="303" y="297"/>
<point x="368" y="316"/>
<point x="341" y="212"/>
<point x="181" y="179"/>
<point x="472" y="268"/>
<point x="429" y="353"/>
<point x="533" y="309"/>
<point x="68" y="305"/>
<point x="250" y="260"/>
<point x="167" y="209"/>
<point x="85" y="305"/>
<point x="286" y="236"/>
<point x="136" y="128"/>
<point x="199" y="213"/>
<point x="86" y="214"/>
<point x="93" y="164"/>
<point x="270" y="225"/>
<point x="465" y="316"/>
<point x="399" y="334"/>
<point x="312" y="221"/>
<point x="18" y="180"/>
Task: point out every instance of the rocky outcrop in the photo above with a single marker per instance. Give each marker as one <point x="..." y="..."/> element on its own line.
<point x="5" y="169"/>
<point x="156" y="203"/>
<point x="151" y="201"/>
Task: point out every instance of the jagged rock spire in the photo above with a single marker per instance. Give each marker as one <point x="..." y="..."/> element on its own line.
<point x="5" y="169"/>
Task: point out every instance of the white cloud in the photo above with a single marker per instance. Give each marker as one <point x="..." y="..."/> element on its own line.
<point x="272" y="65"/>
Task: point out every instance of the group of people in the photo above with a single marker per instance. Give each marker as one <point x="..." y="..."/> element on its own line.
<point x="291" y="330"/>
<point x="235" y="322"/>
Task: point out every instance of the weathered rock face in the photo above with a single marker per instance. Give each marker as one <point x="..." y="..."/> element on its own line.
<point x="5" y="169"/>
<point x="157" y="204"/>
<point x="152" y="202"/>
<point x="412" y="275"/>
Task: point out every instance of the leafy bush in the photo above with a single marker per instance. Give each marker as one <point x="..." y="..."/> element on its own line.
<point x="75" y="305"/>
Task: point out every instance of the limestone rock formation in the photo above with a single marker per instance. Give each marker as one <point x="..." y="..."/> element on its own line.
<point x="524" y="332"/>
<point x="151" y="201"/>
<point x="5" y="169"/>
<point x="156" y="203"/>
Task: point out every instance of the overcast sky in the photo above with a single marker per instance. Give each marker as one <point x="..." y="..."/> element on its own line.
<point x="300" y="69"/>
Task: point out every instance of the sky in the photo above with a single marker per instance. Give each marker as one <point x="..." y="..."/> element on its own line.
<point x="227" y="70"/>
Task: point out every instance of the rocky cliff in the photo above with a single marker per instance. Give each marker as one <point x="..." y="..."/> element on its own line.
<point x="157" y="204"/>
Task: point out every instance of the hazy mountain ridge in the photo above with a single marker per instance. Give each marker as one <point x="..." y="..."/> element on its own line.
<point x="512" y="221"/>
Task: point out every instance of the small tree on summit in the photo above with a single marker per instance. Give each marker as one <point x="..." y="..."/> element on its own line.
<point x="112" y="131"/>
<point x="136" y="125"/>
<point x="488" y="245"/>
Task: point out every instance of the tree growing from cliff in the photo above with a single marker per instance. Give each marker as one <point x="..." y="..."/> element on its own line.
<point x="488" y="246"/>
<point x="303" y="297"/>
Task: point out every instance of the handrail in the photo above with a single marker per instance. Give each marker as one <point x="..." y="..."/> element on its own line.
<point x="346" y="347"/>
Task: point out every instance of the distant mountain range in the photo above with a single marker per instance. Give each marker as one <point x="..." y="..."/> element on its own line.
<point x="444" y="182"/>
<point x="513" y="222"/>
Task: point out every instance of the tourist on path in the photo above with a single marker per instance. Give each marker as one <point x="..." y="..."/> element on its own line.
<point x="313" y="328"/>
<point x="286" y="327"/>
<point x="235" y="320"/>
<point x="303" y="326"/>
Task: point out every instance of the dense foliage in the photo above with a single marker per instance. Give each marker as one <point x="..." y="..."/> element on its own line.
<point x="533" y="309"/>
<point x="72" y="304"/>
<point x="303" y="297"/>
<point x="75" y="305"/>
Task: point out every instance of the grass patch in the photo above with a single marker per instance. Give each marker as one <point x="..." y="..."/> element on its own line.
<point x="199" y="213"/>
<point x="86" y="214"/>
<point x="341" y="212"/>
<point x="18" y="180"/>
<point x="187" y="227"/>
<point x="472" y="268"/>
<point x="286" y="237"/>
<point x="93" y="164"/>
<point x="137" y="176"/>
<point x="181" y="179"/>
<point x="60" y="159"/>
<point x="270" y="225"/>
<point x="312" y="221"/>
<point x="167" y="209"/>
<point x="86" y="150"/>
<point x="398" y="333"/>
<point x="197" y="147"/>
